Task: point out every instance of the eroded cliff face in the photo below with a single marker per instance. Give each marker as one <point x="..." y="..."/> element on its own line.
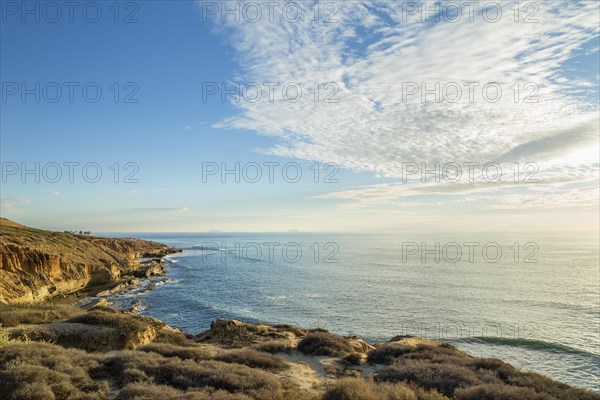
<point x="37" y="264"/>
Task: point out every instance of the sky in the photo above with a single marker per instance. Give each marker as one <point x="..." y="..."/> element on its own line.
<point x="312" y="116"/>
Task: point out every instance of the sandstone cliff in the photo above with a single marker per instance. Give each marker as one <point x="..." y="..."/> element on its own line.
<point x="37" y="264"/>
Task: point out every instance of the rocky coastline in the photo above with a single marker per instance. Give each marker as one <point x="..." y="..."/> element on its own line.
<point x="37" y="265"/>
<point x="56" y="350"/>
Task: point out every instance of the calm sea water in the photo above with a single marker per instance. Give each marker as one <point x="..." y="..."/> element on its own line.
<point x="532" y="301"/>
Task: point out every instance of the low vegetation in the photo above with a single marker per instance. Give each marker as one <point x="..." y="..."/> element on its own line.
<point x="495" y="391"/>
<point x="361" y="389"/>
<point x="353" y="359"/>
<point x="388" y="352"/>
<point x="152" y="361"/>
<point x="254" y="359"/>
<point x="44" y="371"/>
<point x="324" y="344"/>
<point x="184" y="353"/>
<point x="140" y="391"/>
<point x="48" y="371"/>
<point x="16" y="314"/>
<point x="445" y="378"/>
<point x="275" y="347"/>
<point x="6" y="338"/>
<point x="131" y="328"/>
<point x="135" y="366"/>
<point x="459" y="376"/>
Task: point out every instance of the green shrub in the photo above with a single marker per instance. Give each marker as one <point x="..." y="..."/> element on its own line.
<point x="324" y="344"/>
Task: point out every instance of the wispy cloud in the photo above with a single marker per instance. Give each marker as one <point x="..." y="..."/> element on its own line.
<point x="13" y="204"/>
<point x="376" y="50"/>
<point x="587" y="197"/>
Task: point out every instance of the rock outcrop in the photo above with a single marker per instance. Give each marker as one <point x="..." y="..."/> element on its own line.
<point x="36" y="264"/>
<point x="237" y="334"/>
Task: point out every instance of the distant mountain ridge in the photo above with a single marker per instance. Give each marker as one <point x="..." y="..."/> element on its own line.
<point x="37" y="264"/>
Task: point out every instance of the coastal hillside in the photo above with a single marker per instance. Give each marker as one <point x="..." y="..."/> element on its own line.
<point x="58" y="351"/>
<point x="37" y="264"/>
<point x="55" y="350"/>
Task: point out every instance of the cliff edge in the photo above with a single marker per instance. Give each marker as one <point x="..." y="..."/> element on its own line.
<point x="37" y="264"/>
<point x="58" y="351"/>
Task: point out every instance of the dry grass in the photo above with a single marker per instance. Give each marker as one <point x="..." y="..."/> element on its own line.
<point x="441" y="368"/>
<point x="174" y="367"/>
<point x="184" y="353"/>
<point x="152" y="368"/>
<point x="454" y="373"/>
<point x="275" y="347"/>
<point x="324" y="344"/>
<point x="445" y="378"/>
<point x="248" y="357"/>
<point x="45" y="371"/>
<point x="160" y="371"/>
<point x="387" y="353"/>
<point x="360" y="389"/>
<point x="138" y="391"/>
<point x="353" y="358"/>
<point x="25" y="334"/>
<point x="170" y="337"/>
<point x="254" y="359"/>
<point x="511" y="376"/>
<point x="499" y="392"/>
<point x="16" y="314"/>
<point x="132" y="329"/>
<point x="289" y="328"/>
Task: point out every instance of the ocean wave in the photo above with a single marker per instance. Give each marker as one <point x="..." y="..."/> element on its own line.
<point x="532" y="344"/>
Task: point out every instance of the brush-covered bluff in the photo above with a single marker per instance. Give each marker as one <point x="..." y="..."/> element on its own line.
<point x="54" y="350"/>
<point x="36" y="264"/>
<point x="58" y="351"/>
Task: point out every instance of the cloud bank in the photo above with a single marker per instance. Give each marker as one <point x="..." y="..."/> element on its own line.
<point x="401" y="86"/>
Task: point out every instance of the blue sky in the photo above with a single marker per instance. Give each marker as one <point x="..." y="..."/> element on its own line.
<point x="368" y="53"/>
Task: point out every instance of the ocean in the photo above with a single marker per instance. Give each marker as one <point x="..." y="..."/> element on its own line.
<point x="532" y="301"/>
